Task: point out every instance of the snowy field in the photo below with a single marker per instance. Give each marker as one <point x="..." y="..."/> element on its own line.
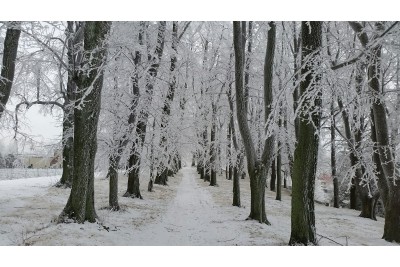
<point x="187" y="212"/>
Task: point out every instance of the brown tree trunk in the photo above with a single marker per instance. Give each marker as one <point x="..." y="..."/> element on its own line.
<point x="8" y="67"/>
<point x="74" y="42"/>
<point x="233" y="167"/>
<point x="80" y="205"/>
<point x="305" y="157"/>
<point x="272" y="182"/>
<point x="213" y="172"/>
<point x="256" y="169"/>
<point x="333" y="158"/>
<point x="112" y="174"/>
<point x="236" y="187"/>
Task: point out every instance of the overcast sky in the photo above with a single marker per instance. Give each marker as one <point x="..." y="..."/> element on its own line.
<point x="42" y="128"/>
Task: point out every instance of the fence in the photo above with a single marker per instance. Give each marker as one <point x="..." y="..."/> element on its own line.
<point x="20" y="173"/>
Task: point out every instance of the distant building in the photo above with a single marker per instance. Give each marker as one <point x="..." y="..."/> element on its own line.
<point x="43" y="162"/>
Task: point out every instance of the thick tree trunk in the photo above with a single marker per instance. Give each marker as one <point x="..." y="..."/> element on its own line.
<point x="305" y="157"/>
<point x="392" y="209"/>
<point x="80" y="205"/>
<point x="257" y="187"/>
<point x="74" y="42"/>
<point x="162" y="177"/>
<point x="133" y="189"/>
<point x="8" y="67"/>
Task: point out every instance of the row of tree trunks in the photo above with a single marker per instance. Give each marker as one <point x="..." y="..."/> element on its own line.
<point x="133" y="189"/>
<point x="382" y="156"/>
<point x="392" y="203"/>
<point x="162" y="172"/>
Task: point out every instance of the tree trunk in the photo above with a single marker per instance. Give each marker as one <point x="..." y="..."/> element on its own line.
<point x="279" y="174"/>
<point x="133" y="189"/>
<point x="74" y="41"/>
<point x="151" y="181"/>
<point x="229" y="153"/>
<point x="256" y="169"/>
<point x="233" y="166"/>
<point x="296" y="91"/>
<point x="392" y="208"/>
<point x="333" y="158"/>
<point x="257" y="187"/>
<point x="8" y="68"/>
<point x="236" y="187"/>
<point x="162" y="177"/>
<point x="213" y="177"/>
<point x="306" y="152"/>
<point x="113" y="176"/>
<point x="273" y="176"/>
<point x="68" y="148"/>
<point x="80" y="205"/>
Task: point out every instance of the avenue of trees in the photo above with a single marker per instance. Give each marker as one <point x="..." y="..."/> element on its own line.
<point x="272" y="102"/>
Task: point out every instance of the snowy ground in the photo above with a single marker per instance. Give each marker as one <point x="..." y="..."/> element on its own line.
<point x="187" y="212"/>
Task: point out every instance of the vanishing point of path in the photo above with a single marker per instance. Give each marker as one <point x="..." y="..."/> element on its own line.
<point x="191" y="218"/>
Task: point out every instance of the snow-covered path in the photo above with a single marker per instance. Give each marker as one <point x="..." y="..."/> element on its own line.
<point x="191" y="218"/>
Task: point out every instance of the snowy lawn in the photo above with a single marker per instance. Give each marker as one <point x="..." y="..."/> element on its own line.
<point x="187" y="212"/>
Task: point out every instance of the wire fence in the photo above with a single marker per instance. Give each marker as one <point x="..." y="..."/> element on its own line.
<point x="20" y="173"/>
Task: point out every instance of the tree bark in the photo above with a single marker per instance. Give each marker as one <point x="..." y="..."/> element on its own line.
<point x="74" y="41"/>
<point x="80" y="205"/>
<point x="279" y="175"/>
<point x="233" y="168"/>
<point x="256" y="169"/>
<point x="392" y="208"/>
<point x="8" y="67"/>
<point x="333" y="158"/>
<point x="113" y="176"/>
<point x="213" y="176"/>
<point x="306" y="152"/>
<point x="272" y="182"/>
